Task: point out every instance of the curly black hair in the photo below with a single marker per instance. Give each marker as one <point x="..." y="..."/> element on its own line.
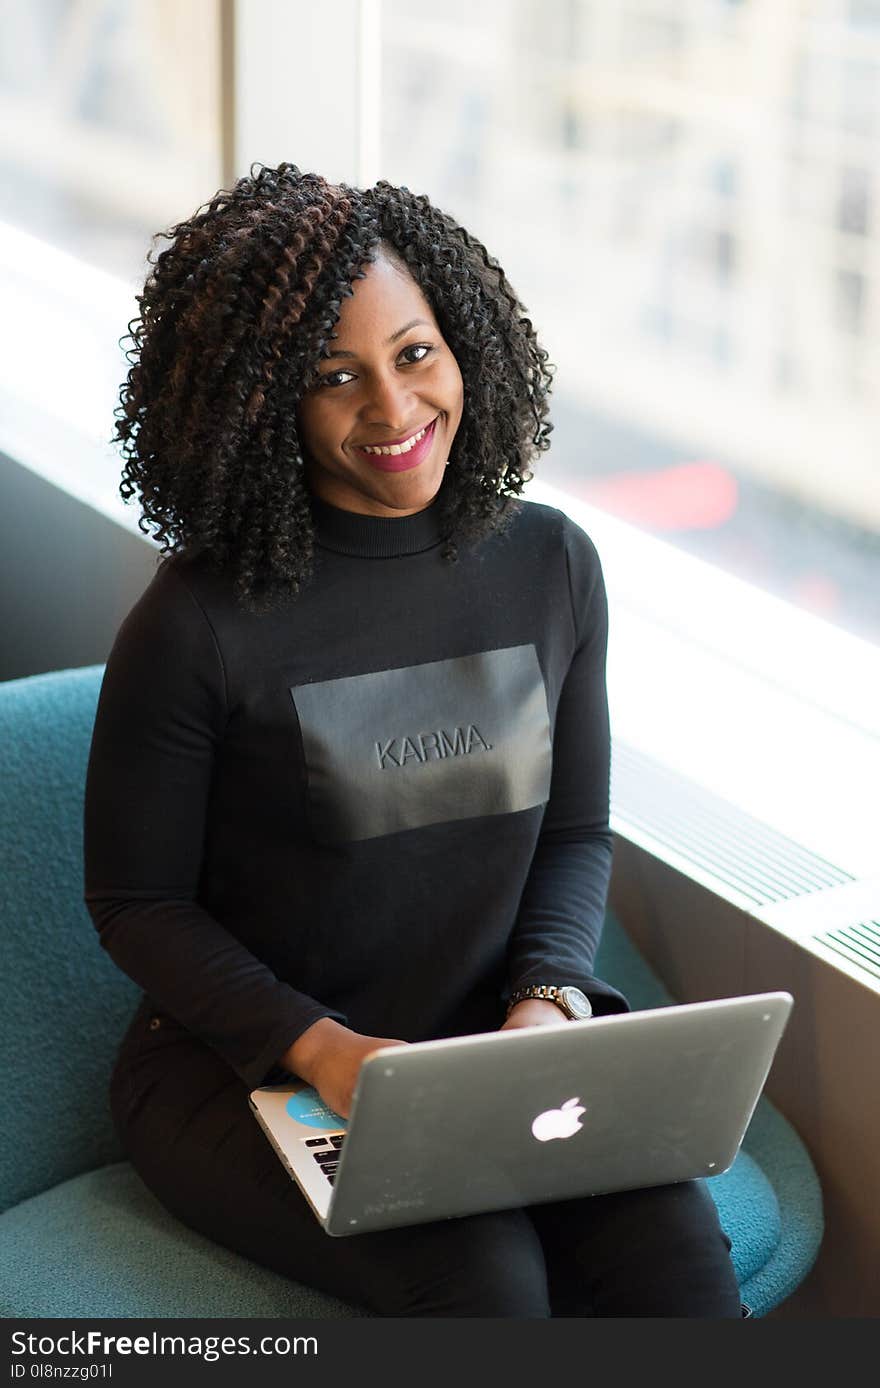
<point x="235" y="316"/>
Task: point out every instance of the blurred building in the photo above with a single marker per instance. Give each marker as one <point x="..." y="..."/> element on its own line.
<point x="690" y="192"/>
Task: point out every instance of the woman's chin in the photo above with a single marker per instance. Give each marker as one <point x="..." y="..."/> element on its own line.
<point x="408" y="491"/>
<point x="373" y="490"/>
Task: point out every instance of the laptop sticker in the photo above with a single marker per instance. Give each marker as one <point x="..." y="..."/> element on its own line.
<point x="425" y="744"/>
<point x="306" y="1106"/>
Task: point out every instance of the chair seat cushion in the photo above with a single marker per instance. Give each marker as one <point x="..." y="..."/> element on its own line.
<point x="101" y="1245"/>
<point x="749" y="1214"/>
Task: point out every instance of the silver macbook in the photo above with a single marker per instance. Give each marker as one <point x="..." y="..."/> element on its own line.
<point x="501" y="1119"/>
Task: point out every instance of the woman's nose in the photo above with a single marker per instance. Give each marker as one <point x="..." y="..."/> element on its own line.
<point x="389" y="404"/>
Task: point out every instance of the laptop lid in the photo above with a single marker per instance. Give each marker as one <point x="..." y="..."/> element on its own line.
<point x="497" y="1120"/>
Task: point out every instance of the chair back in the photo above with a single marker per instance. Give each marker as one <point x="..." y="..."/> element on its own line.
<point x="65" y="1004"/>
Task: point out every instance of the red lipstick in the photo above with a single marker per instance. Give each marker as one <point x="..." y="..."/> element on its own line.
<point x="401" y="462"/>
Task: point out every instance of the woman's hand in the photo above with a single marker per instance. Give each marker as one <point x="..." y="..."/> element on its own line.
<point x="534" y="1012"/>
<point x="336" y="1071"/>
<point x="328" y="1056"/>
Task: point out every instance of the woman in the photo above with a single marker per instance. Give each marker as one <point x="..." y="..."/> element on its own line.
<point x="348" y="783"/>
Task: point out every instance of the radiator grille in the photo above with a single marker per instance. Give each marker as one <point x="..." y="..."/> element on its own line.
<point x="720" y="839"/>
<point x="860" y="944"/>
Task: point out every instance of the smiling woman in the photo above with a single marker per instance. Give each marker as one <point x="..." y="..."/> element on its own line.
<point x="377" y="435"/>
<point x="294" y="324"/>
<point x="349" y="778"/>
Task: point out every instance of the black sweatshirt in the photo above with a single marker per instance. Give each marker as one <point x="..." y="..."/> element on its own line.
<point x="385" y="802"/>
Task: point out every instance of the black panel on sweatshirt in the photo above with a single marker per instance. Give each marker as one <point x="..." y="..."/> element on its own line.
<point x="251" y="869"/>
<point x="441" y="741"/>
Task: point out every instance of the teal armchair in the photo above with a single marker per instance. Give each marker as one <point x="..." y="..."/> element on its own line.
<point x="80" y="1235"/>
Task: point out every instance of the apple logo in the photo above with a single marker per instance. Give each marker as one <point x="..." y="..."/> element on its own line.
<point x="558" y="1122"/>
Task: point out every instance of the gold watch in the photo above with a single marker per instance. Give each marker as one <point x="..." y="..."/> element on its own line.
<point x="575" y="1004"/>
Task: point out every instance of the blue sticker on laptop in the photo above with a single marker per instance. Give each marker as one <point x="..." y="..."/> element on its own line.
<point x="306" y="1106"/>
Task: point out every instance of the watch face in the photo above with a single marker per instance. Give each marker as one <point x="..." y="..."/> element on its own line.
<point x="577" y="1002"/>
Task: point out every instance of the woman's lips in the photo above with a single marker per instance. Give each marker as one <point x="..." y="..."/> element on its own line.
<point x="401" y="462"/>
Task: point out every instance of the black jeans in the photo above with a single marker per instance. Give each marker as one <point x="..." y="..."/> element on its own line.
<point x="184" y="1120"/>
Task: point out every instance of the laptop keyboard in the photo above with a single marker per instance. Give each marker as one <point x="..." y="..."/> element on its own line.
<point x="325" y="1150"/>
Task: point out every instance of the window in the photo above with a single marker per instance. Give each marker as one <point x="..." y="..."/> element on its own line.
<point x="683" y="196"/>
<point x="112" y="119"/>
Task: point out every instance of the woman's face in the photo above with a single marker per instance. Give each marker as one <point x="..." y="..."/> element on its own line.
<point x="388" y="377"/>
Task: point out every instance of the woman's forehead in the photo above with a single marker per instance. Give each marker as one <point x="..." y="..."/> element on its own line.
<point x="386" y="295"/>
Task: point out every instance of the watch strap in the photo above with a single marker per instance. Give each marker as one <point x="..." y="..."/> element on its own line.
<point x="546" y="992"/>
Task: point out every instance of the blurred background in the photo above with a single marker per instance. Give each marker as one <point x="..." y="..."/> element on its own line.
<point x="685" y="194"/>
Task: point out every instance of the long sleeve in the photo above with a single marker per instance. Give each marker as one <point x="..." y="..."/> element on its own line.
<point x="562" y="909"/>
<point x="160" y="719"/>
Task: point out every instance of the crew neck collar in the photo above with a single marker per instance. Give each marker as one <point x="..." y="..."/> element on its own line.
<point x="376" y="537"/>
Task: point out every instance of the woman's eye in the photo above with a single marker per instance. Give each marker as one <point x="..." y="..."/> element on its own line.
<point x="331" y="378"/>
<point x="417" y="347"/>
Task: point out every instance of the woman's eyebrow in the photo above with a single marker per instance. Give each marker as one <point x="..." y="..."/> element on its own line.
<point x="393" y="338"/>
